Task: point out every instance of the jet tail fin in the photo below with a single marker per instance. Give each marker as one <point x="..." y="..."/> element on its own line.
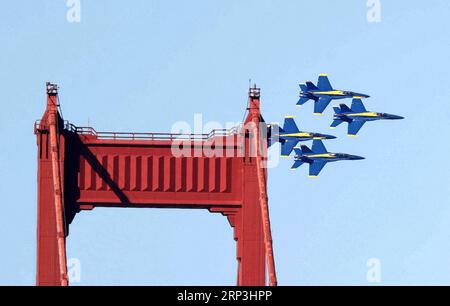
<point x="304" y="150"/>
<point x="302" y="101"/>
<point x="345" y="108"/>
<point x="303" y="87"/>
<point x="297" y="164"/>
<point x="311" y="86"/>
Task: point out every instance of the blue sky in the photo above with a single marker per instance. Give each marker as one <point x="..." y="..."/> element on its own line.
<point x="143" y="65"/>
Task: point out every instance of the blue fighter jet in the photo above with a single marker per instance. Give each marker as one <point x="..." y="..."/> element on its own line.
<point x="318" y="157"/>
<point x="289" y="136"/>
<point x="323" y="94"/>
<point x="356" y="116"/>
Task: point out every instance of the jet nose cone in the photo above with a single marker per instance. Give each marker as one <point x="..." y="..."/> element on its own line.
<point x="395" y="117"/>
<point x="323" y="137"/>
<point x="355" y="157"/>
<point x="362" y="95"/>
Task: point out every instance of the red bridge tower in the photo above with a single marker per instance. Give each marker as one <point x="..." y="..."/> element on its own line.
<point x="80" y="169"/>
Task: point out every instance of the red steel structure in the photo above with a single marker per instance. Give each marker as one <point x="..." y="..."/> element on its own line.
<point x="81" y="169"/>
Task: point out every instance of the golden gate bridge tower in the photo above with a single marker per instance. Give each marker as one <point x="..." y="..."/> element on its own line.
<point x="80" y="169"/>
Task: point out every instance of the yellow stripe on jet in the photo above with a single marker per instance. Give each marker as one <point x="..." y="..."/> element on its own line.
<point x="297" y="135"/>
<point x="326" y="155"/>
<point x="366" y="114"/>
<point x="330" y="92"/>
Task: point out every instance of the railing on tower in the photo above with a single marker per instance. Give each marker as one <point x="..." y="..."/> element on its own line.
<point x="82" y="130"/>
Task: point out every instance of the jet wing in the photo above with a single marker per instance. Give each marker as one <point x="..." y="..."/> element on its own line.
<point x="358" y="106"/>
<point x="354" y="127"/>
<point x="287" y="147"/>
<point x="316" y="167"/>
<point x="318" y="147"/>
<point x="324" y="83"/>
<point x="321" y="105"/>
<point x="290" y="126"/>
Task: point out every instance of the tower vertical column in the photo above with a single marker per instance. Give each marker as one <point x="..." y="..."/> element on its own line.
<point x="254" y="235"/>
<point x="249" y="233"/>
<point x="51" y="251"/>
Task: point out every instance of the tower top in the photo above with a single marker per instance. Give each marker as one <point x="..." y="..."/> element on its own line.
<point x="52" y="89"/>
<point x="254" y="92"/>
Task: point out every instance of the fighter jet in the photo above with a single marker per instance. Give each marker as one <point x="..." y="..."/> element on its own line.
<point x="356" y="116"/>
<point x="318" y="157"/>
<point x="290" y="135"/>
<point x="323" y="94"/>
